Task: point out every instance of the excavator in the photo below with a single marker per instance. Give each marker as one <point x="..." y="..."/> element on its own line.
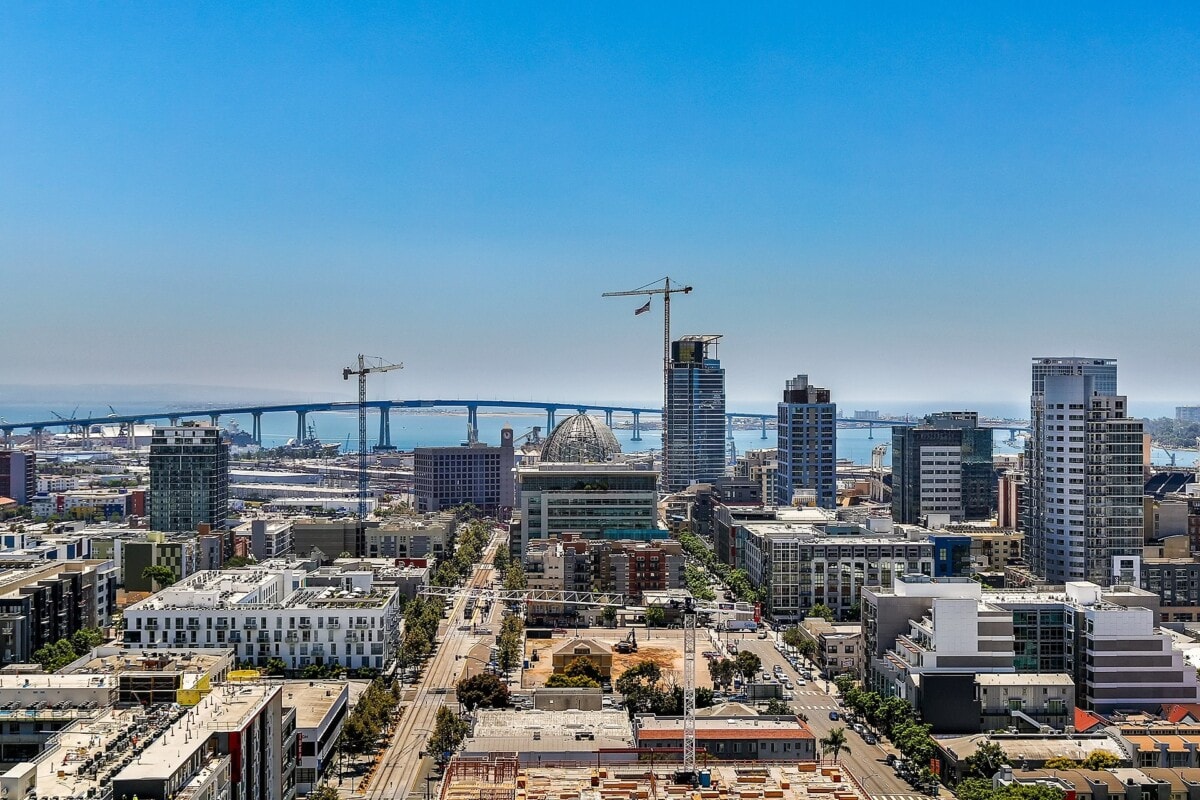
<point x="628" y="644"/>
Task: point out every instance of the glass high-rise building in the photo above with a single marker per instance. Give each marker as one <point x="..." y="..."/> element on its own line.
<point x="1083" y="509"/>
<point x="943" y="466"/>
<point x="807" y="451"/>
<point x="695" y="414"/>
<point x="189" y="478"/>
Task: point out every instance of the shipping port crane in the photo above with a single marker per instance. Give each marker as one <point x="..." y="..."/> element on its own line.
<point x="367" y="365"/>
<point x="666" y="290"/>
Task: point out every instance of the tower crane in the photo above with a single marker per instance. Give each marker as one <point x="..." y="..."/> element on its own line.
<point x="366" y="366"/>
<point x="666" y="290"/>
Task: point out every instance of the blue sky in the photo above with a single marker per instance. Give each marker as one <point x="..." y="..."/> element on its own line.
<point x="904" y="204"/>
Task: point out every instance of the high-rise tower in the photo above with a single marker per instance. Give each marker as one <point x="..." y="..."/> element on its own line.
<point x="807" y="453"/>
<point x="943" y="466"/>
<point x="695" y="414"/>
<point x="1083" y="510"/>
<point x="189" y="478"/>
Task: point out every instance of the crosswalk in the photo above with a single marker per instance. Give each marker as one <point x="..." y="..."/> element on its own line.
<point x="874" y="796"/>
<point x="825" y="707"/>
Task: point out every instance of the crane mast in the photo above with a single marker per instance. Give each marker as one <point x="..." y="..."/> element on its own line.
<point x="666" y="290"/>
<point x="364" y="369"/>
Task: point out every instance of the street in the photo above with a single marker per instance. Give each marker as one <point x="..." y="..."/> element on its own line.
<point x="865" y="762"/>
<point x="404" y="763"/>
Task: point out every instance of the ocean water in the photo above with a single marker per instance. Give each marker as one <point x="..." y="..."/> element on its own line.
<point x="421" y="428"/>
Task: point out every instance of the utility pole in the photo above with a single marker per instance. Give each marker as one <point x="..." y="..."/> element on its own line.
<point x="366" y="366"/>
<point x="666" y="290"/>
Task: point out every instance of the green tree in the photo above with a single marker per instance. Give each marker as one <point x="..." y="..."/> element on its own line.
<point x="609" y="615"/>
<point x="83" y="640"/>
<point x="514" y="578"/>
<point x="448" y="733"/>
<point x="821" y="610"/>
<point x="985" y="761"/>
<point x="240" y="561"/>
<point x="721" y="670"/>
<point x="584" y="667"/>
<point x="1101" y="759"/>
<point x="275" y="667"/>
<point x="55" y="656"/>
<point x="560" y="681"/>
<point x="324" y="792"/>
<point x="808" y="650"/>
<point x="655" y="617"/>
<point x="778" y="708"/>
<point x="482" y="691"/>
<point x="834" y="743"/>
<point x="748" y="664"/>
<point x="158" y="575"/>
<point x="1061" y="762"/>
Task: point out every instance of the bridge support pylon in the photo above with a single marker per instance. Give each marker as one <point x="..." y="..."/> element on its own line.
<point x="301" y="426"/>
<point x="608" y="417"/>
<point x="385" y="428"/>
<point x="214" y="419"/>
<point x="763" y="420"/>
<point x="550" y="418"/>
<point x="637" y="427"/>
<point x="256" y="427"/>
<point x="870" y="430"/>
<point x="472" y="424"/>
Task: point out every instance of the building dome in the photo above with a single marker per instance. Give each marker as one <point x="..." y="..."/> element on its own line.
<point x="580" y="439"/>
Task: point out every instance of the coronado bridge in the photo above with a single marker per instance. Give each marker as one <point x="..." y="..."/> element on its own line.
<point x="384" y="407"/>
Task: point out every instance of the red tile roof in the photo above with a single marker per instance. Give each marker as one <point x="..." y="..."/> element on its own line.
<point x="1086" y="720"/>
<point x="1178" y="712"/>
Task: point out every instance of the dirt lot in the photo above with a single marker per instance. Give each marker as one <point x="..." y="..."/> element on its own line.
<point x="663" y="647"/>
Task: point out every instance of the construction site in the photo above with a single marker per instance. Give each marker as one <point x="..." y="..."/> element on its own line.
<point x="613" y="647"/>
<point x="500" y="776"/>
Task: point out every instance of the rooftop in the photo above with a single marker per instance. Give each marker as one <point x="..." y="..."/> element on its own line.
<point x="313" y="700"/>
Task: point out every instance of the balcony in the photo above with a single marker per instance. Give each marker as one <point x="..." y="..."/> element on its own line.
<point x="334" y="623"/>
<point x="362" y="625"/>
<point x="304" y="624"/>
<point x="264" y="636"/>
<point x="251" y="622"/>
<point x="221" y="624"/>
<point x="151" y="624"/>
<point x="351" y="636"/>
<point x="235" y="636"/>
<point x="292" y="636"/>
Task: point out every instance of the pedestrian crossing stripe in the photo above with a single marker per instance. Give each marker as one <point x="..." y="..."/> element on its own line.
<point x="898" y="796"/>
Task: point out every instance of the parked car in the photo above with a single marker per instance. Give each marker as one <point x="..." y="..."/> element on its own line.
<point x="870" y="738"/>
<point x="762" y="634"/>
<point x="835" y="716"/>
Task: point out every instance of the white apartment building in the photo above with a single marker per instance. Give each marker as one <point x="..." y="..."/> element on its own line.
<point x="57" y="483"/>
<point x="270" y="612"/>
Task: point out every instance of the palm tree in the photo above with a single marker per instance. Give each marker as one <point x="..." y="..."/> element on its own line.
<point x="834" y="743"/>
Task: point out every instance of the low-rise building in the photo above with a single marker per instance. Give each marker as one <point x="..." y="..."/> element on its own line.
<point x="1033" y="749"/>
<point x="269" y="538"/>
<point x="103" y="503"/>
<point x="271" y="612"/>
<point x="426" y="536"/>
<point x="756" y="738"/>
<point x="561" y="737"/>
<point x="1039" y="699"/>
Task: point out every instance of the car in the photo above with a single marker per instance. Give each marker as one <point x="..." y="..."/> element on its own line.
<point x="766" y="676"/>
<point x="762" y="634"/>
<point x="890" y="759"/>
<point x="859" y="729"/>
<point x="870" y="738"/>
<point x="801" y="682"/>
<point x="835" y="716"/>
